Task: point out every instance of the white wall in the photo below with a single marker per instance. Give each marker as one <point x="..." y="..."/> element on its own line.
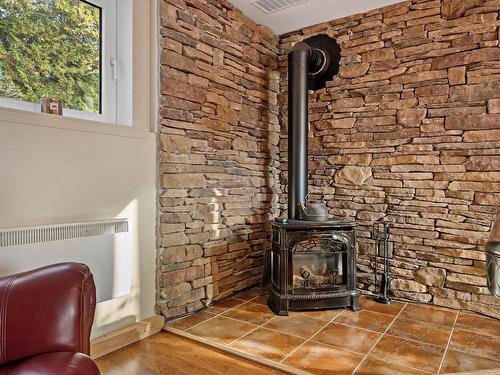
<point x="51" y="175"/>
<point x="59" y="170"/>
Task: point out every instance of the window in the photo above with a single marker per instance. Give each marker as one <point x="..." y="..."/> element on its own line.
<point x="65" y="49"/>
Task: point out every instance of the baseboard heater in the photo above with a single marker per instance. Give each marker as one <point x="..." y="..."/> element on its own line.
<point x="58" y="232"/>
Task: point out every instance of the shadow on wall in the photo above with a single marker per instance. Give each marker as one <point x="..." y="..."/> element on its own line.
<point x="218" y="154"/>
<point x="126" y="271"/>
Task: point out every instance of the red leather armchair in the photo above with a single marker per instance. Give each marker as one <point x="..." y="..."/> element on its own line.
<point x="45" y="320"/>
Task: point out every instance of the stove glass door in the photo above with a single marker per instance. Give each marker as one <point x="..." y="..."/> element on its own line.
<point x="320" y="262"/>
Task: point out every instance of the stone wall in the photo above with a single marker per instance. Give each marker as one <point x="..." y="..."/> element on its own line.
<point x="409" y="132"/>
<point x="218" y="152"/>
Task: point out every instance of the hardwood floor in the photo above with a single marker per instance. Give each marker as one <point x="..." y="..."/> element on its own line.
<point x="166" y="353"/>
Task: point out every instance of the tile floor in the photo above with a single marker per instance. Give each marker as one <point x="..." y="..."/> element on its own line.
<point x="400" y="338"/>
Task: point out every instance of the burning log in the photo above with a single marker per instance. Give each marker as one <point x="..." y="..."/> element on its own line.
<point x="308" y="278"/>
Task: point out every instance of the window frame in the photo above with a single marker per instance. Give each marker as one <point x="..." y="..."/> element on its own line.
<point x="109" y="74"/>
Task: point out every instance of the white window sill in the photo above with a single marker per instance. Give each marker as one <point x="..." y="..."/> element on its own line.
<point x="9" y="115"/>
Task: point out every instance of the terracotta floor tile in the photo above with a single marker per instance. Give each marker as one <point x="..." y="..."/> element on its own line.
<point x="262" y="300"/>
<point x="367" y="303"/>
<point x="414" y="343"/>
<point x="408" y="353"/>
<point x="424" y="332"/>
<point x="479" y="324"/>
<point x="474" y="343"/>
<point x="191" y="321"/>
<point x="267" y="344"/>
<point x="248" y="294"/>
<point x="296" y="325"/>
<point x="429" y="314"/>
<point x="462" y="362"/>
<point x="225" y="305"/>
<point x="322" y="359"/>
<point x="321" y="314"/>
<point x="350" y="338"/>
<point x="372" y="366"/>
<point x="221" y="330"/>
<point x="365" y="319"/>
<point x="250" y="313"/>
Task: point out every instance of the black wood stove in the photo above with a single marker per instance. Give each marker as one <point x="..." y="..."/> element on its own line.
<point x="312" y="263"/>
<point x="313" y="266"/>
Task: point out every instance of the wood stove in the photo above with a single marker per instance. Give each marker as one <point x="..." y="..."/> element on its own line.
<point x="312" y="263"/>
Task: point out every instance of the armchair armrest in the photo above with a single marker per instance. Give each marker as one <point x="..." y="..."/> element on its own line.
<point x="49" y="309"/>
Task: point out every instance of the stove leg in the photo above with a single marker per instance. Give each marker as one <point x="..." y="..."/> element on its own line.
<point x="355" y="302"/>
<point x="277" y="305"/>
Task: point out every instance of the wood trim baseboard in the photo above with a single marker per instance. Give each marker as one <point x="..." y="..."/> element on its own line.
<point x="122" y="337"/>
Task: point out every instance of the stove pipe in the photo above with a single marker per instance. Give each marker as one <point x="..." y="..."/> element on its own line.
<point x="310" y="64"/>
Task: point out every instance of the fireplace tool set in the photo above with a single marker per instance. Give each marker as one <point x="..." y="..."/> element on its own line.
<point x="380" y="234"/>
<point x="493" y="258"/>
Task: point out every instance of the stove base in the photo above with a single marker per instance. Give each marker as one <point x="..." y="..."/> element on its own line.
<point x="281" y="304"/>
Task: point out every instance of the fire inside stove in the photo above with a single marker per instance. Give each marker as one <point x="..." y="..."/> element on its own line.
<point x="319" y="264"/>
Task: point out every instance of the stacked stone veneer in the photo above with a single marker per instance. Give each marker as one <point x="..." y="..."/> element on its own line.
<point x="218" y="152"/>
<point x="409" y="132"/>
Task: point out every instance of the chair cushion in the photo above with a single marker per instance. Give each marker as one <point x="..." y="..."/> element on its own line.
<point x="59" y="363"/>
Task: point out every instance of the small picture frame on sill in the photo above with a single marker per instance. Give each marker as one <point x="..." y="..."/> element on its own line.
<point x="53" y="106"/>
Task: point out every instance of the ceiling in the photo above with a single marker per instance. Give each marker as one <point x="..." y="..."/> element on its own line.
<point x="308" y="13"/>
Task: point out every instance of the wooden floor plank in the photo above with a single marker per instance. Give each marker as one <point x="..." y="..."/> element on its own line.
<point x="166" y="353"/>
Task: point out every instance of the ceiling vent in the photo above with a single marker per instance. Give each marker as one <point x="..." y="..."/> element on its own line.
<point x="272" y="6"/>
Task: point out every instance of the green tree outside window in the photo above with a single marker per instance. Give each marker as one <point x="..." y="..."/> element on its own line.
<point x="51" y="48"/>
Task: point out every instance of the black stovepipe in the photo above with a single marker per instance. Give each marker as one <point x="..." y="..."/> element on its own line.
<point x="301" y="61"/>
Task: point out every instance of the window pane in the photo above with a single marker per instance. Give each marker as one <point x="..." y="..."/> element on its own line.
<point x="51" y="48"/>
